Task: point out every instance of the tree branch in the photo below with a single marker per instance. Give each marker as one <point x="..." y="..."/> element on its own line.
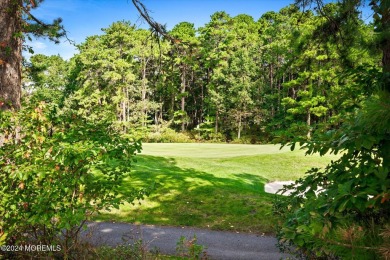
<point x="157" y="27"/>
<point x="62" y="33"/>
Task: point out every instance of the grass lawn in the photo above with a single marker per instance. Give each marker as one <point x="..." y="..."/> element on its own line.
<point x="215" y="186"/>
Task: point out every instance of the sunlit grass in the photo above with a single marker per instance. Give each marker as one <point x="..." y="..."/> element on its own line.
<point x="212" y="186"/>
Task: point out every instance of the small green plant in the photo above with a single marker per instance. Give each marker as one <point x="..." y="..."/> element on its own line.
<point x="190" y="249"/>
<point x="136" y="251"/>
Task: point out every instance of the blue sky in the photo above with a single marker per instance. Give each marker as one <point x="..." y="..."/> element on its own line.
<point x="83" y="18"/>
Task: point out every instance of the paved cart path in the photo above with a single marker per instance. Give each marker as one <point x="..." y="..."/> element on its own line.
<point x="219" y="244"/>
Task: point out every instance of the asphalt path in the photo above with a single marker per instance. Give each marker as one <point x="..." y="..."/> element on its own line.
<point x="218" y="244"/>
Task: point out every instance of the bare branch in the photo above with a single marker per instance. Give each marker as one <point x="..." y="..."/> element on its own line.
<point x="34" y="18"/>
<point x="157" y="27"/>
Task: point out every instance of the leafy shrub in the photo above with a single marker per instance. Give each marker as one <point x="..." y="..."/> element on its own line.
<point x="245" y="140"/>
<point x="55" y="172"/>
<point x="167" y="135"/>
<point x="344" y="210"/>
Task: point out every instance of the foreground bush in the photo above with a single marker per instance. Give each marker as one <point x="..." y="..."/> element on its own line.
<point x="55" y="171"/>
<point x="344" y="210"/>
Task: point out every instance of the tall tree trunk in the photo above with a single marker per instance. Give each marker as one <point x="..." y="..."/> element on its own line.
<point x="161" y="111"/>
<point x="216" y="122"/>
<point x="308" y="121"/>
<point x="271" y="76"/>
<point x="385" y="146"/>
<point x="385" y="12"/>
<point x="144" y="94"/>
<point x="10" y="54"/>
<point x="200" y="120"/>
<point x="124" y="110"/>
<point x="183" y="99"/>
<point x="239" y="127"/>
<point x="128" y="104"/>
<point x="271" y="83"/>
<point x="172" y="107"/>
<point x="156" y="117"/>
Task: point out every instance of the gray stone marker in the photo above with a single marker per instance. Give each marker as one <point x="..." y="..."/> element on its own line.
<point x="274" y="187"/>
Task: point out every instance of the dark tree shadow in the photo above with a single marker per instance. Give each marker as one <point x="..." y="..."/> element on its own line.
<point x="187" y="197"/>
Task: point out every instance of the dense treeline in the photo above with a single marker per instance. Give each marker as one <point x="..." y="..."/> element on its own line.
<point x="235" y="79"/>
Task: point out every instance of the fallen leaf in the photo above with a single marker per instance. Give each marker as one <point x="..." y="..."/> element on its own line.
<point x="21" y="186"/>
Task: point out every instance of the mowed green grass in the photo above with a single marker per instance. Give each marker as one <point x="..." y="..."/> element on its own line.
<point x="215" y="186"/>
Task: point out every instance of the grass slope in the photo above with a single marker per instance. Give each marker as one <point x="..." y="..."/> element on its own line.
<point x="216" y="186"/>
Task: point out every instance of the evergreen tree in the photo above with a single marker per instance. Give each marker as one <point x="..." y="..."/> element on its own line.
<point x="16" y="21"/>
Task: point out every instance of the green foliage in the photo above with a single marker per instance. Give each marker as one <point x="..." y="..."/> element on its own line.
<point x="109" y="77"/>
<point x="190" y="249"/>
<point x="165" y="134"/>
<point x="36" y="27"/>
<point x="45" y="79"/>
<point x="343" y="210"/>
<point x="57" y="170"/>
<point x="180" y="117"/>
<point x="137" y="251"/>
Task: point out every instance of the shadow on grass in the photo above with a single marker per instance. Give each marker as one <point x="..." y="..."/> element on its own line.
<point x="187" y="197"/>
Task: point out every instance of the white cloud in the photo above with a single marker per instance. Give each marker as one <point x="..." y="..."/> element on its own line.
<point x="36" y="45"/>
<point x="48" y="48"/>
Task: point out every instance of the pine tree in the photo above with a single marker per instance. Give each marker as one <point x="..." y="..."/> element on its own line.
<point x="16" y="22"/>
